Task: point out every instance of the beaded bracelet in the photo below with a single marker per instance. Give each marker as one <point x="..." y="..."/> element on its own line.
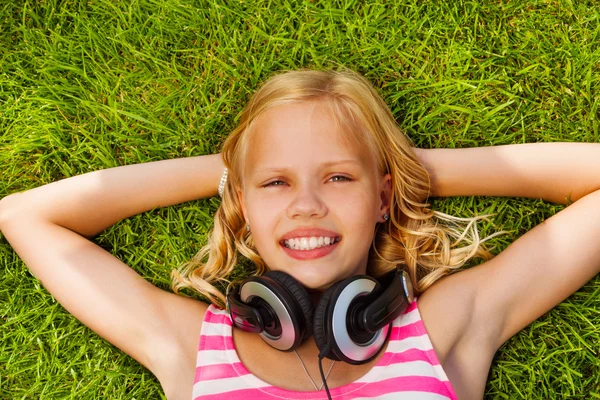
<point x="222" y="183"/>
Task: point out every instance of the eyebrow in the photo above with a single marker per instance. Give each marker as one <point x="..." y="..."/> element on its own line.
<point x="327" y="164"/>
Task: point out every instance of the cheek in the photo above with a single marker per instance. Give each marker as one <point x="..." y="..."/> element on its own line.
<point x="359" y="207"/>
<point x="262" y="218"/>
<point x="262" y="209"/>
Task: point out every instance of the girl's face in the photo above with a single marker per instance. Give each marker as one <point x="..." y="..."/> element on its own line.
<point x="312" y="199"/>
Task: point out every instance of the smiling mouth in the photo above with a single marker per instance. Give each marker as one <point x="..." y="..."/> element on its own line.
<point x="310" y="243"/>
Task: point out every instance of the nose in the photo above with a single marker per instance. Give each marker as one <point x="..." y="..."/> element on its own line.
<point x="306" y="203"/>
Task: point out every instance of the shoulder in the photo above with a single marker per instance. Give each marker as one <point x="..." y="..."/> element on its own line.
<point x="174" y="353"/>
<point x="453" y="314"/>
<point x="446" y="310"/>
<point x="463" y="349"/>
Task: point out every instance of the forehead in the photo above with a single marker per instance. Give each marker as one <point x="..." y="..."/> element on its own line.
<point x="301" y="135"/>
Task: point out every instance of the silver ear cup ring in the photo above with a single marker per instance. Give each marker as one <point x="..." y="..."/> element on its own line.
<point x="408" y="288"/>
<point x="351" y="349"/>
<point x="286" y="340"/>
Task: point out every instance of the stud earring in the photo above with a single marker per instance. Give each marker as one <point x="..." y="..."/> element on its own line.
<point x="386" y="216"/>
<point x="248" y="227"/>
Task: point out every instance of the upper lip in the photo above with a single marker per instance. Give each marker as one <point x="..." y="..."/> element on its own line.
<point x="309" y="232"/>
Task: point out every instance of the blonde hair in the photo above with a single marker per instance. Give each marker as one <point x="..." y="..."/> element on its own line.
<point x="424" y="242"/>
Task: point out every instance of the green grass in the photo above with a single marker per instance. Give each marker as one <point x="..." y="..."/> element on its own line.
<point x="87" y="85"/>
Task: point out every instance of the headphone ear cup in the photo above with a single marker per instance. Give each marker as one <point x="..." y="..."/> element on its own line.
<point x="338" y="311"/>
<point x="300" y="295"/>
<point x="321" y="322"/>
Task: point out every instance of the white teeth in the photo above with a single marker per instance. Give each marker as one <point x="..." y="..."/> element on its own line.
<point x="303" y="244"/>
<point x="309" y="243"/>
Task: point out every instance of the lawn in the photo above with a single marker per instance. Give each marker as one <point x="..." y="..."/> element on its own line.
<point x="88" y="85"/>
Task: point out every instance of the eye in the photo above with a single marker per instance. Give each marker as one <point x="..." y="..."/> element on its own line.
<point x="275" y="183"/>
<point x="340" y="178"/>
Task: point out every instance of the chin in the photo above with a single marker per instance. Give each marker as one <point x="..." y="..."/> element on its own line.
<point x="315" y="280"/>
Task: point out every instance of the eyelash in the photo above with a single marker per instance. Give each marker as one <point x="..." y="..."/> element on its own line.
<point x="345" y="179"/>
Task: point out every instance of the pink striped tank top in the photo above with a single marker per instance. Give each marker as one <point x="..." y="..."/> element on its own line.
<point x="409" y="368"/>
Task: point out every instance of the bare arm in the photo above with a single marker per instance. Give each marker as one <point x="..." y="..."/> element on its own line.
<point x="555" y="172"/>
<point x="46" y="227"/>
<point x="537" y="271"/>
<point x="89" y="203"/>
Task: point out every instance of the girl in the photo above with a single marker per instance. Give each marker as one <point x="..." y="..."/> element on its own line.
<point x="322" y="188"/>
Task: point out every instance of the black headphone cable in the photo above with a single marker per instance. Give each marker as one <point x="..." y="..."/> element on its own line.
<point x="321" y="356"/>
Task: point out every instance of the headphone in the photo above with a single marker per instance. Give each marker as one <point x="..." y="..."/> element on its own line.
<point x="350" y="323"/>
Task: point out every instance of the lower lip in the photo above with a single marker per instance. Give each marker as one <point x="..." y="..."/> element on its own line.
<point x="310" y="254"/>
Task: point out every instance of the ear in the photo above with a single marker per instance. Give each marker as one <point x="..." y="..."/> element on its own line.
<point x="385" y="195"/>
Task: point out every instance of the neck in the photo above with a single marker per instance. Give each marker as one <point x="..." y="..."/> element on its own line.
<point x="308" y="350"/>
